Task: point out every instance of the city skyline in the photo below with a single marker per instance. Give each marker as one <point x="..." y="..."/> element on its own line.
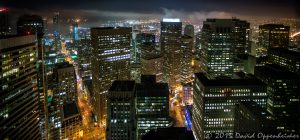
<point x="144" y="70"/>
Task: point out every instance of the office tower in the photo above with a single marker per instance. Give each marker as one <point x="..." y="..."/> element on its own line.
<point x="283" y="96"/>
<point x="34" y="24"/>
<point x="152" y="104"/>
<point x="187" y="45"/>
<point x="84" y="58"/>
<point x="171" y="133"/>
<point x="71" y="127"/>
<point x="65" y="86"/>
<point x="286" y="58"/>
<point x="19" y="110"/>
<point x="56" y="24"/>
<point x="251" y="118"/>
<point x="110" y="61"/>
<point x="152" y="64"/>
<point x="5" y="25"/>
<point x="214" y="101"/>
<point x="136" y="46"/>
<point x="170" y="39"/>
<point x="273" y="35"/>
<point x="135" y="72"/>
<point x="121" y="115"/>
<point x="220" y="41"/>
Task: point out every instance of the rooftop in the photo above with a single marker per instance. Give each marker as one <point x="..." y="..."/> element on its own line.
<point x="228" y="82"/>
<point x="125" y="85"/>
<point x="70" y="109"/>
<point x="276" y="71"/>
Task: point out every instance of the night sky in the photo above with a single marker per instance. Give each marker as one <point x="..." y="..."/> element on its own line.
<point x="95" y="10"/>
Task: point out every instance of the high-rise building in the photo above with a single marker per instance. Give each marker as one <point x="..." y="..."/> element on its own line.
<point x="186" y="59"/>
<point x="170" y="40"/>
<point x="5" y="25"/>
<point x="75" y="33"/>
<point x="65" y="85"/>
<point x="286" y="58"/>
<point x="152" y="104"/>
<point x="273" y="35"/>
<point x="283" y="96"/>
<point x="220" y="41"/>
<point x="30" y="24"/>
<point x="152" y="64"/>
<point x="110" y="61"/>
<point x="121" y="111"/>
<point x="189" y="30"/>
<point x="84" y="58"/>
<point x="71" y="124"/>
<point x="214" y="101"/>
<point x="19" y="112"/>
<point x="251" y="118"/>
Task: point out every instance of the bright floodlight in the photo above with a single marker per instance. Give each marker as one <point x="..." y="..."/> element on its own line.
<point x="171" y="20"/>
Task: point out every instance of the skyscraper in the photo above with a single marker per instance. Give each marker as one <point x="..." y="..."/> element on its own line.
<point x="171" y="49"/>
<point x="186" y="58"/>
<point x="214" y="102"/>
<point x="56" y="24"/>
<point x="84" y="58"/>
<point x="121" y="116"/>
<point x="65" y="86"/>
<point x="283" y="96"/>
<point x="221" y="40"/>
<point x="19" y="112"/>
<point x="273" y="35"/>
<point x="110" y="61"/>
<point x="152" y="104"/>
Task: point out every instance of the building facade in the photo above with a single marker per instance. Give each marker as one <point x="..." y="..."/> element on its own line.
<point x="152" y="104"/>
<point x="214" y="101"/>
<point x="170" y="40"/>
<point x="220" y="41"/>
<point x="19" y="110"/>
<point x="283" y="96"/>
<point x="110" y="61"/>
<point x="121" y="115"/>
<point x="273" y="35"/>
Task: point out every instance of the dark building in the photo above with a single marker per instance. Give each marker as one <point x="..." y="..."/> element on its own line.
<point x="121" y="111"/>
<point x="221" y="40"/>
<point x="214" y="102"/>
<point x="273" y="35"/>
<point x="84" y="58"/>
<point x="249" y="117"/>
<point x="283" y="96"/>
<point x="172" y="133"/>
<point x="30" y="24"/>
<point x="170" y="40"/>
<point x="5" y="25"/>
<point x="19" y="99"/>
<point x="152" y="104"/>
<point x="71" y="124"/>
<point x="286" y="58"/>
<point x="187" y="45"/>
<point x="110" y="61"/>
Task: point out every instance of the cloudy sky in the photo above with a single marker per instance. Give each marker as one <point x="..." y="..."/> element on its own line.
<point x="95" y="10"/>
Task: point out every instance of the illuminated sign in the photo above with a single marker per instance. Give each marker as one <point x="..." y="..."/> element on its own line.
<point x="171" y="20"/>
